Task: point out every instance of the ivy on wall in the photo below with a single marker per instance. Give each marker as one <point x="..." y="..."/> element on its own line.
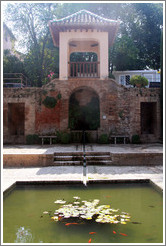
<point x="50" y="102"/>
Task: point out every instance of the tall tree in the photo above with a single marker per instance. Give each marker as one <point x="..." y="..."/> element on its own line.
<point x="31" y="19"/>
<point x="138" y="38"/>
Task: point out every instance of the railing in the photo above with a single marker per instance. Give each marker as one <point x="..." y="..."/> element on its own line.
<point x="17" y="80"/>
<point x="84" y="69"/>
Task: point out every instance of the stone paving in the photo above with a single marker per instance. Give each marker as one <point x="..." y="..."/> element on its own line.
<point x="50" y="149"/>
<point x="75" y="173"/>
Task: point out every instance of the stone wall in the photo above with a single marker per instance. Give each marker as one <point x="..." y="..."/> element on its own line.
<point x="120" y="107"/>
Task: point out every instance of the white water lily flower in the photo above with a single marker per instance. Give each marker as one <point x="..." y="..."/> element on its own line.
<point x="45" y="212"/>
<point x="60" y="201"/>
<point x="76" y="197"/>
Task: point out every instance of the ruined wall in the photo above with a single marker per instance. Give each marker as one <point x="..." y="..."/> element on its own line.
<point x="120" y="108"/>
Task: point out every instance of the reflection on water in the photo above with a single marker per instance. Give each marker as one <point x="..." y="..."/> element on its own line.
<point x="84" y="176"/>
<point x="23" y="235"/>
<point x="28" y="225"/>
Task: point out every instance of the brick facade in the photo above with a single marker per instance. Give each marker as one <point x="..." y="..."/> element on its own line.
<point x="120" y="108"/>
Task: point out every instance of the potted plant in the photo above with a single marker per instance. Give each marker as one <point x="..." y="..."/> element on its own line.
<point x="138" y="81"/>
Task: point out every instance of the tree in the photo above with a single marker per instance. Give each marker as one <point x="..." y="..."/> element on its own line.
<point x="31" y="19"/>
<point x="141" y="22"/>
<point x="148" y="41"/>
<point x="124" y="54"/>
<point x="136" y="47"/>
<point x="50" y="63"/>
<point x="11" y="64"/>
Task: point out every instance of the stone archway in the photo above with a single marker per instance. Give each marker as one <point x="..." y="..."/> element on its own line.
<point x="84" y="109"/>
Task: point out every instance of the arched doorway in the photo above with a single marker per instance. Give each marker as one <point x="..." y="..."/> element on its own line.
<point x="84" y="109"/>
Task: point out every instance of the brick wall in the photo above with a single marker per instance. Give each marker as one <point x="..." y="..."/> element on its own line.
<point x="120" y="111"/>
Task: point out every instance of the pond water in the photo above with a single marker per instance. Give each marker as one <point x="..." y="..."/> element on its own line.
<point x="25" y="222"/>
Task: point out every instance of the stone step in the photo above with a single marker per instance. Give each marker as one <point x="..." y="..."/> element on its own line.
<point x="98" y="158"/>
<point x="68" y="153"/>
<point x="106" y="162"/>
<point x="90" y="153"/>
<point x="76" y="158"/>
<point x="68" y="158"/>
<point x="68" y="163"/>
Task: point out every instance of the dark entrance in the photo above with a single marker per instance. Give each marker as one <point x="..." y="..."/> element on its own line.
<point x="84" y="110"/>
<point x="148" y="117"/>
<point x="16" y="118"/>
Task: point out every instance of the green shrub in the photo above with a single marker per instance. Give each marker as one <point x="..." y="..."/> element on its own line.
<point x="59" y="96"/>
<point x="55" y="75"/>
<point x="65" y="138"/>
<point x="138" y="80"/>
<point x="49" y="102"/>
<point x="103" y="139"/>
<point x="135" y="139"/>
<point x="111" y="76"/>
<point x="32" y="139"/>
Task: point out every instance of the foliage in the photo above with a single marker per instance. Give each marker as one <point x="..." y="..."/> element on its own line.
<point x="111" y="76"/>
<point x="11" y="64"/>
<point x="65" y="138"/>
<point x="83" y="57"/>
<point x="124" y="54"/>
<point x="137" y="45"/>
<point x="32" y="139"/>
<point x="88" y="210"/>
<point x="161" y="85"/>
<point x="121" y="114"/>
<point x="59" y="96"/>
<point x="49" y="102"/>
<point x="38" y="73"/>
<point x="138" y="80"/>
<point x="103" y="139"/>
<point x="31" y="20"/>
<point x="135" y="139"/>
<point x="52" y="75"/>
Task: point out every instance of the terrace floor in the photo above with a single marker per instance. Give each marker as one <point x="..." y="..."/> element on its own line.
<point x="75" y="173"/>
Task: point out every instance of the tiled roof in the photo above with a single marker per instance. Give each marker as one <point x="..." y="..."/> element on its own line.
<point x="84" y="17"/>
<point x="83" y="20"/>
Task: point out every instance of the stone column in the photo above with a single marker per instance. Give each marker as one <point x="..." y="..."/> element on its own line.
<point x="104" y="55"/>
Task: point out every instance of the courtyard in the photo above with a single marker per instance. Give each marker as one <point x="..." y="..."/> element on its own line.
<point x="153" y="172"/>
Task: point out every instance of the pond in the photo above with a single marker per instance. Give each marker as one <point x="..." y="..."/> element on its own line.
<point x="25" y="222"/>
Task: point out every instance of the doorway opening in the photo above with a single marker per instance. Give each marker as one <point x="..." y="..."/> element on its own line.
<point x="148" y="117"/>
<point x="84" y="110"/>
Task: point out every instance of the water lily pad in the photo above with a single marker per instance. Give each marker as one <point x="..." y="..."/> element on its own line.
<point x="55" y="218"/>
<point x="89" y="211"/>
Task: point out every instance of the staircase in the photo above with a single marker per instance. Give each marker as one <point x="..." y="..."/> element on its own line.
<point x="98" y="158"/>
<point x="76" y="158"/>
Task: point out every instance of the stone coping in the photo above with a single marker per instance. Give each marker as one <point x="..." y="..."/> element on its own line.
<point x="75" y="174"/>
<point x="112" y="148"/>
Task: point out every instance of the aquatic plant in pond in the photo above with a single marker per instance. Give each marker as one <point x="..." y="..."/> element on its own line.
<point x="88" y="210"/>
